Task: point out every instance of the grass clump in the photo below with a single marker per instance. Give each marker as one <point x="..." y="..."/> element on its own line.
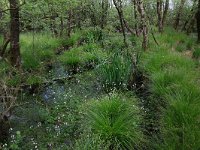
<point x="115" y="73"/>
<point x="174" y="81"/>
<point x="196" y="53"/>
<point x="115" y="120"/>
<point x="181" y="47"/>
<point x="73" y="40"/>
<point x="38" y="51"/>
<point x="162" y="59"/>
<point x="92" y="35"/>
<point x="34" y="79"/>
<point x="82" y="56"/>
<point x="90" y="142"/>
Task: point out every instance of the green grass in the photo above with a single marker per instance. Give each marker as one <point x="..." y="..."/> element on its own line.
<point x="115" y="119"/>
<point x="196" y="53"/>
<point x="79" y="37"/>
<point x="177" y="40"/>
<point x="82" y="56"/>
<point x="38" y="51"/>
<point x="174" y="85"/>
<point x="90" y="142"/>
<point x="115" y="73"/>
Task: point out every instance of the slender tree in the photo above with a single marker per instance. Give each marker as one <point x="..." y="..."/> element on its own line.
<point x="142" y="13"/>
<point x="136" y="17"/>
<point x="198" y="21"/>
<point x="104" y="13"/>
<point x="179" y="12"/>
<point x="118" y="6"/>
<point x="165" y="11"/>
<point x="162" y="10"/>
<point x="191" y="16"/>
<point x="14" y="33"/>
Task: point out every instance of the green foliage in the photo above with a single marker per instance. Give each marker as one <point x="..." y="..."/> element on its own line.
<point x="173" y="80"/>
<point x="114" y="43"/>
<point x="4" y="67"/>
<point x="116" y="120"/>
<point x="15" y="142"/>
<point x="196" y="53"/>
<point x="162" y="59"/>
<point x="73" y="40"/>
<point x="88" y="54"/>
<point x="90" y="142"/>
<point x="92" y="35"/>
<point x="115" y="73"/>
<point x="36" y="52"/>
<point x="181" y="47"/>
<point x="34" y="79"/>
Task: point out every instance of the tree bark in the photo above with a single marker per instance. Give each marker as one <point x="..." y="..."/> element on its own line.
<point x="4" y="130"/>
<point x="14" y="33"/>
<point x="104" y="12"/>
<point x="166" y="8"/>
<point x="191" y="16"/>
<point x="160" y="15"/>
<point x="162" y="10"/>
<point x="69" y="21"/>
<point x="61" y="26"/>
<point x="178" y="16"/>
<point x="135" y="17"/>
<point x="118" y="6"/>
<point x="144" y="23"/>
<point x="198" y="21"/>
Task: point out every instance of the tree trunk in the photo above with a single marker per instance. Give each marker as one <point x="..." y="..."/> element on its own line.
<point x="160" y="15"/>
<point x="61" y="26"/>
<point x="178" y="16"/>
<point x="191" y="16"/>
<point x="14" y="33"/>
<point x="4" y="129"/>
<point x="162" y="10"/>
<point x="136" y="18"/>
<point x="69" y="21"/>
<point x="118" y="6"/>
<point x="144" y="23"/>
<point x="166" y="8"/>
<point x="104" y="13"/>
<point x="198" y="21"/>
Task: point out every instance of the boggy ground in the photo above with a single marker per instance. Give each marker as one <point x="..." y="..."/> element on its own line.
<point x="90" y="95"/>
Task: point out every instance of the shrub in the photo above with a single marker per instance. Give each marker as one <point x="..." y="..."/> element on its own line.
<point x="115" y="73"/>
<point x="92" y="35"/>
<point x="114" y="43"/>
<point x="116" y="120"/>
<point x="181" y="47"/>
<point x="34" y="79"/>
<point x="73" y="40"/>
<point x="37" y="51"/>
<point x="196" y="53"/>
<point x="82" y="56"/>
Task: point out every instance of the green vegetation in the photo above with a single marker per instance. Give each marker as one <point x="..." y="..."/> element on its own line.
<point x="115" y="119"/>
<point x="36" y="49"/>
<point x="100" y="75"/>
<point x="115" y="73"/>
<point x="196" y="53"/>
<point x="173" y="83"/>
<point x="83" y="56"/>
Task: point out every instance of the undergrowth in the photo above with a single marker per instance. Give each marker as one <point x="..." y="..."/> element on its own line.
<point x="174" y="87"/>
